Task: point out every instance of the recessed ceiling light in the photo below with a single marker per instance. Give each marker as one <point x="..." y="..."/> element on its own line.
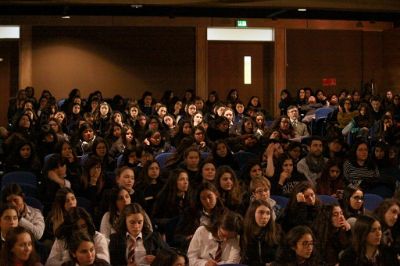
<point x="65" y="13"/>
<point x="136" y="6"/>
<point x="302" y="9"/>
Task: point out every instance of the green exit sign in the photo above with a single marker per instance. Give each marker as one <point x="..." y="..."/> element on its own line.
<point x="241" y="23"/>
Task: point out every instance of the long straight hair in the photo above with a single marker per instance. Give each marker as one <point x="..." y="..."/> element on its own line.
<point x="133" y="208"/>
<point x="252" y="230"/>
<point x="235" y="195"/>
<point x="361" y="229"/>
<point x="7" y="257"/>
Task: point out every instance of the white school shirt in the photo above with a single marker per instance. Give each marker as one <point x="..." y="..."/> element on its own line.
<point x="59" y="254"/>
<point x="140" y="251"/>
<point x="203" y="244"/>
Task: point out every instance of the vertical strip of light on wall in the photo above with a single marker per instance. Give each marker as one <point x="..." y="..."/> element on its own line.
<point x="247" y="70"/>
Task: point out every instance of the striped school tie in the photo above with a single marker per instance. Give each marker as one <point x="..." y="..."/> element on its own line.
<point x="218" y="254"/>
<point x="131" y="251"/>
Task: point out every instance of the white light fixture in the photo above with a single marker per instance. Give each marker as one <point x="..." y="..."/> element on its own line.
<point x="302" y="9"/>
<point x="66" y="13"/>
<point x="240" y="34"/>
<point x="247" y="70"/>
<point x="136" y="6"/>
<point x="9" y="32"/>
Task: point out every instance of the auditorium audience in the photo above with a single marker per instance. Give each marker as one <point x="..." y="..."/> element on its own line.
<point x="78" y="143"/>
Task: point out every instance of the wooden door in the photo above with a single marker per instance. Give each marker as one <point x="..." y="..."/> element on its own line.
<point x="8" y="75"/>
<point x="226" y="69"/>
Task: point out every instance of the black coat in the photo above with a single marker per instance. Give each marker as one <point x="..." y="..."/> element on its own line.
<point x="97" y="262"/>
<point x="258" y="252"/>
<point x="300" y="214"/>
<point x="386" y="257"/>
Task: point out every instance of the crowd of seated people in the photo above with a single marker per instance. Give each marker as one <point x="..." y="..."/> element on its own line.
<point x="192" y="181"/>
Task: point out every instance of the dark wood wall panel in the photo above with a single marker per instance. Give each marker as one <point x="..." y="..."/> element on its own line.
<point x="313" y="55"/>
<point x="391" y="60"/>
<point x="8" y="75"/>
<point x="121" y="60"/>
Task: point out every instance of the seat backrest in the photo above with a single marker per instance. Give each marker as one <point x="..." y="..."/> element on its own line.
<point x="84" y="203"/>
<point x="119" y="160"/>
<point x="47" y="157"/>
<point x="204" y="155"/>
<point x="34" y="202"/>
<point x="322" y="112"/>
<point x="162" y="158"/>
<point x="327" y="199"/>
<point x="280" y="200"/>
<point x="372" y="201"/>
<point x="19" y="177"/>
<point x="243" y="157"/>
<point x="83" y="159"/>
<point x="28" y="189"/>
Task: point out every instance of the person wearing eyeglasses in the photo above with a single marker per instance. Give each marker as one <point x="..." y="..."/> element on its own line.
<point x="366" y="248"/>
<point x="218" y="243"/>
<point x="260" y="189"/>
<point x="360" y="169"/>
<point x="297" y="248"/>
<point x="352" y="203"/>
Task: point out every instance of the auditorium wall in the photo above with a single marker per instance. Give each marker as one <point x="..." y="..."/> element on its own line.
<point x="115" y="60"/>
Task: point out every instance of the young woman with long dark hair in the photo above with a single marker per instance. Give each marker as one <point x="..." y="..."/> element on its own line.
<point x="77" y="219"/>
<point x="333" y="231"/>
<point x="230" y="189"/>
<point x="134" y="242"/>
<point x="388" y="215"/>
<point x="302" y="208"/>
<point x="261" y="235"/>
<point x="366" y="248"/>
<point x="119" y="198"/>
<point x="18" y="249"/>
<point x="173" y="203"/>
<point x="82" y="250"/>
<point x="63" y="202"/>
<point x="297" y="248"/>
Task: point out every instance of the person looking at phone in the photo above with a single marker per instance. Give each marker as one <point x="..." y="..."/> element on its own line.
<point x="331" y="181"/>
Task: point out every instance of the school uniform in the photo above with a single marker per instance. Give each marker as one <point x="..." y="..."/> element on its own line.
<point x="147" y="244"/>
<point x="204" y="246"/>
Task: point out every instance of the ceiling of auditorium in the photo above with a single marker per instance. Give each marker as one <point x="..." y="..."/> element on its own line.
<point x="374" y="10"/>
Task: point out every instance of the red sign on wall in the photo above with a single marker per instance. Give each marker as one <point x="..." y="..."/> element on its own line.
<point x="326" y="82"/>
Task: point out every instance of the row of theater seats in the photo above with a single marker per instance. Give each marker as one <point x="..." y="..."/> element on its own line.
<point x="371" y="201"/>
<point x="29" y="185"/>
